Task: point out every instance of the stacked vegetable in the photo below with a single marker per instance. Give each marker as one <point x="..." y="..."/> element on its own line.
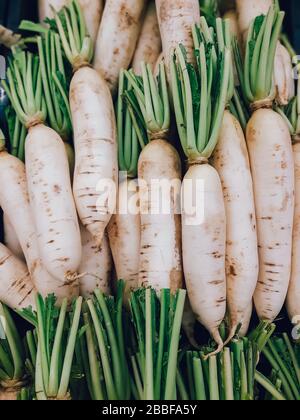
<point x="96" y="195"/>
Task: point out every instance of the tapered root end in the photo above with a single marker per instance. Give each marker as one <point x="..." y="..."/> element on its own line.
<point x="232" y="333"/>
<point x="216" y="336"/>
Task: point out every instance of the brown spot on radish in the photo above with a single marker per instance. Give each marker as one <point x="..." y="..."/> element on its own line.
<point x="267" y="218"/>
<point x="50" y="242"/>
<point x="216" y="282"/>
<point x="57" y="189"/>
<point x="232" y="270"/>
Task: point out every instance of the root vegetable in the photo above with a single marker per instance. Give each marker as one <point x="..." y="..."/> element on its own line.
<point x="16" y="288"/>
<point x="15" y="202"/>
<point x="246" y="321"/>
<point x="149" y="45"/>
<point x="96" y="266"/>
<point x="176" y="18"/>
<point x="231" y="161"/>
<point x="96" y="166"/>
<point x="117" y="38"/>
<point x="52" y="203"/>
<point x="272" y="167"/>
<point x="11" y="239"/>
<point x="159" y="174"/>
<point x="203" y="212"/>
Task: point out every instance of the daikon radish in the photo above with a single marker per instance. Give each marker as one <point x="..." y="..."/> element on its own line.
<point x="117" y="38"/>
<point x="96" y="166"/>
<point x="124" y="229"/>
<point x="96" y="266"/>
<point x="231" y="161"/>
<point x="247" y="11"/>
<point x="246" y="321"/>
<point x="16" y="288"/>
<point x="149" y="46"/>
<point x="292" y="117"/>
<point x="92" y="11"/>
<point x="11" y="239"/>
<point x="272" y="166"/>
<point x="293" y="297"/>
<point x="47" y="173"/>
<point x="159" y="173"/>
<point x="15" y="202"/>
<point x="203" y="210"/>
<point x="176" y="18"/>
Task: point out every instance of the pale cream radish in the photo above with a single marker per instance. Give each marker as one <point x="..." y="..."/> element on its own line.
<point x="15" y="202"/>
<point x="92" y="10"/>
<point x="124" y="232"/>
<point x="149" y="45"/>
<point x="176" y="18"/>
<point x="293" y="297"/>
<point x="204" y="246"/>
<point x="95" y="138"/>
<point x="16" y="288"/>
<point x="96" y="265"/>
<point x="52" y="203"/>
<point x="231" y="161"/>
<point x="11" y="239"/>
<point x="159" y="172"/>
<point x="272" y="166"/>
<point x="246" y="321"/>
<point x="247" y="11"/>
<point x="96" y="165"/>
<point x="203" y="208"/>
<point x="117" y="38"/>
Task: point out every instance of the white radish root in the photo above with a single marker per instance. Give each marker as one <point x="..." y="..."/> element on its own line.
<point x="15" y="202"/>
<point x="96" y="266"/>
<point x="231" y="161"/>
<point x="96" y="166"/>
<point x="11" y="239"/>
<point x="246" y="321"/>
<point x="176" y="19"/>
<point x="204" y="242"/>
<point x="124" y="231"/>
<point x="7" y="37"/>
<point x="117" y="38"/>
<point x="52" y="204"/>
<point x="16" y="288"/>
<point x="149" y="45"/>
<point x="271" y="157"/>
<point x="160" y="253"/>
<point x="293" y="297"/>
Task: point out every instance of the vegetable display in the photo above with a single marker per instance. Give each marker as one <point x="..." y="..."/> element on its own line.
<point x="150" y="181"/>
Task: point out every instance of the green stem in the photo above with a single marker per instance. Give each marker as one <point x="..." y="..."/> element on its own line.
<point x="268" y="386"/>
<point x="149" y="379"/>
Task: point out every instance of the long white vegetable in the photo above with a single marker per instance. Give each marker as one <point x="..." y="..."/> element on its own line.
<point x="52" y="203"/>
<point x="272" y="166"/>
<point x="231" y="161"/>
<point x="15" y="202"/>
<point x="117" y="38"/>
<point x="96" y="166"/>
<point x="92" y="10"/>
<point x="203" y="213"/>
<point x="249" y="10"/>
<point x="11" y="239"/>
<point x="149" y="45"/>
<point x="7" y="37"/>
<point x="96" y="266"/>
<point x="16" y="288"/>
<point x="176" y="18"/>
<point x="293" y="297"/>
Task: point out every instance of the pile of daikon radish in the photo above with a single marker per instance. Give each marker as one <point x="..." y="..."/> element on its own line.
<point x="69" y="234"/>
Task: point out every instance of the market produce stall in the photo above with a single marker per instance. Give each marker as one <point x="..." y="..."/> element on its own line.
<point x="149" y="158"/>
